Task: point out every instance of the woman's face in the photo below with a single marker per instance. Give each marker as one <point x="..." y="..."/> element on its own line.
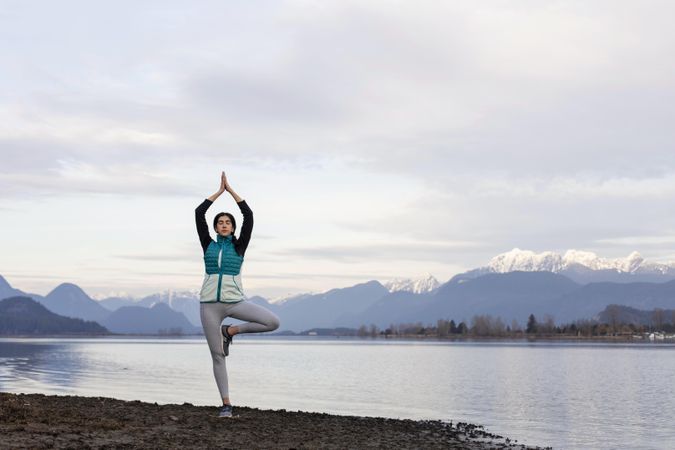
<point x="224" y="225"/>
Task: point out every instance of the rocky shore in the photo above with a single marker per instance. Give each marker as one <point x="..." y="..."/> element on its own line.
<point x="48" y="421"/>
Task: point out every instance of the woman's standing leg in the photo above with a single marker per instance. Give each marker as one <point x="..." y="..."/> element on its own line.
<point x="212" y="315"/>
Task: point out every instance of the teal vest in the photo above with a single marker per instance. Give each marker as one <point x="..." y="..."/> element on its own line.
<point x="221" y="257"/>
<point x="222" y="281"/>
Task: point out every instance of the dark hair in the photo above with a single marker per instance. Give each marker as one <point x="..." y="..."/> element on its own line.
<point x="221" y="214"/>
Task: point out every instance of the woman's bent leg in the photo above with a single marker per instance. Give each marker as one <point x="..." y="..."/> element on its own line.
<point x="258" y="319"/>
<point x="212" y="315"/>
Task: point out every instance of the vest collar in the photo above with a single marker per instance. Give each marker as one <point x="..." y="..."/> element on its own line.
<point x="222" y="239"/>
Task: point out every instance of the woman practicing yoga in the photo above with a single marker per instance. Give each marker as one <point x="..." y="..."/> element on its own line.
<point x="222" y="293"/>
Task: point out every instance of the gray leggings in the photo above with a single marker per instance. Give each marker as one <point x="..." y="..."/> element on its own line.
<point x="212" y="314"/>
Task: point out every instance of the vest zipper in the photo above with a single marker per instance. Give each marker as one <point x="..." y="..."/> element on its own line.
<point x="220" y="271"/>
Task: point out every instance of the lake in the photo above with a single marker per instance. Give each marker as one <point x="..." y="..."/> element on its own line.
<point x="566" y="395"/>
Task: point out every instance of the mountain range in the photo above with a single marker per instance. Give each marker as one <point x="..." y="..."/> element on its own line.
<point x="157" y="319"/>
<point x="24" y="316"/>
<point x="580" y="266"/>
<point x="69" y="300"/>
<point x="575" y="285"/>
<point x="426" y="283"/>
<point x="184" y="302"/>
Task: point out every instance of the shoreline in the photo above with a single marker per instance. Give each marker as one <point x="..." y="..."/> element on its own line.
<point x="487" y="339"/>
<point x="55" y="421"/>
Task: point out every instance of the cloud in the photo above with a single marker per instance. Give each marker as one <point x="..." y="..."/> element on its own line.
<point x="401" y="248"/>
<point x="245" y="99"/>
<point x="70" y="177"/>
<point x="177" y="257"/>
<point x="541" y="89"/>
<point x="543" y="125"/>
<point x="639" y="241"/>
<point x="310" y="275"/>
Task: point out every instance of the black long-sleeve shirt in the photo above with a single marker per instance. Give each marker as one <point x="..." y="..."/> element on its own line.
<point x="241" y="243"/>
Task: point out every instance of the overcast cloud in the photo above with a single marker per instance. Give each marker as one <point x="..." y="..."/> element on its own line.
<point x="371" y="139"/>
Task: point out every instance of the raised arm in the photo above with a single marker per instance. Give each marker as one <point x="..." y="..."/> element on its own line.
<point x="202" y="227"/>
<point x="200" y="214"/>
<point x="247" y="226"/>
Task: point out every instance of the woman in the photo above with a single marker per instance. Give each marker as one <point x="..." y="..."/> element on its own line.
<point x="222" y="294"/>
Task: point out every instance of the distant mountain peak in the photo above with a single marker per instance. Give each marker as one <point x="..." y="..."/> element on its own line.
<point x="4" y="284"/>
<point x="170" y="294"/>
<point x="113" y="294"/>
<point x="525" y="260"/>
<point x="67" y="289"/>
<point x="529" y="261"/>
<point x="289" y="297"/>
<point x="425" y="283"/>
<point x="161" y="306"/>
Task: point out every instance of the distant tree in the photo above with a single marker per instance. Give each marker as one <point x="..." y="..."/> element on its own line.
<point x="374" y="331"/>
<point x="442" y="328"/>
<point x="549" y="324"/>
<point x="481" y="325"/>
<point x="658" y="317"/>
<point x="498" y="328"/>
<point x="585" y="327"/>
<point x="515" y="326"/>
<point x="362" y="331"/>
<point x="419" y="328"/>
<point x="613" y="312"/>
<point x="462" y="328"/>
<point x="486" y="325"/>
<point x="626" y="328"/>
<point x="531" y="325"/>
<point x="453" y="326"/>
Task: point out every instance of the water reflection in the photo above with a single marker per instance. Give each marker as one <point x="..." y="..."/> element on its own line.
<point x="121" y="368"/>
<point x="39" y="364"/>
<point x="561" y="394"/>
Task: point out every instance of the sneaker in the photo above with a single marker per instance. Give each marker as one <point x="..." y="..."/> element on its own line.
<point x="227" y="339"/>
<point x="226" y="411"/>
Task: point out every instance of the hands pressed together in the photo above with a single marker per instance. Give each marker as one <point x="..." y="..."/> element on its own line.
<point x="225" y="186"/>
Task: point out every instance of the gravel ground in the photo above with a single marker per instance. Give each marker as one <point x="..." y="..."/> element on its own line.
<point x="49" y="421"/>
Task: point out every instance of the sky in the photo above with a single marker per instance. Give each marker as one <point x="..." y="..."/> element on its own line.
<point x="371" y="139"/>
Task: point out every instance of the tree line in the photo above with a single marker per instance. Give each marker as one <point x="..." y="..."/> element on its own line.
<point x="485" y="325"/>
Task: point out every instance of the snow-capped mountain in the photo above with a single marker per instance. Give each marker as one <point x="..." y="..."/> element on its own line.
<point x="579" y="265"/>
<point x="425" y="283"/>
<point x="186" y="302"/>
<point x="528" y="261"/>
<point x="170" y="296"/>
<point x="280" y="300"/>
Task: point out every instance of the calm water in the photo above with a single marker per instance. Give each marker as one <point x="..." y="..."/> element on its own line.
<point x="563" y="395"/>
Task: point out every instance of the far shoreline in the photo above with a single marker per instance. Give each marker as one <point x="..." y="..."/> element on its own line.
<point x="304" y="337"/>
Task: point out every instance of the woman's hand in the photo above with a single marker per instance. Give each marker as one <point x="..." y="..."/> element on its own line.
<point x="224" y="186"/>
<point x="223" y="182"/>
